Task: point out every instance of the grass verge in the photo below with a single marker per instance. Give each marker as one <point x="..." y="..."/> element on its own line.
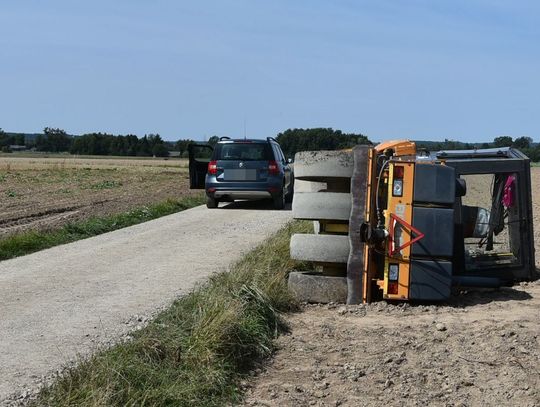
<point x="196" y="352"/>
<point x="33" y="241"/>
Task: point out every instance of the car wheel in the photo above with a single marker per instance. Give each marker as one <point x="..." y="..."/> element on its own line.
<point x="279" y="200"/>
<point x="211" y="202"/>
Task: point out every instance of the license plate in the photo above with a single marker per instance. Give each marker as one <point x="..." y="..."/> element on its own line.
<point x="240" y="175"/>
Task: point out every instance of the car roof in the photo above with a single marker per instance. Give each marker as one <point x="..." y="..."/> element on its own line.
<point x="249" y="140"/>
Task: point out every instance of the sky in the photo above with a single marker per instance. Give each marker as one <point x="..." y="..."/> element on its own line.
<point x="466" y="70"/>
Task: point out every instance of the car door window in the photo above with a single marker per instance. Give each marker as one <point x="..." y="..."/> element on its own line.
<point x="276" y="154"/>
<point x="280" y="154"/>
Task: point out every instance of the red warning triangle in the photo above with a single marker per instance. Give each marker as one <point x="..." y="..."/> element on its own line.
<point x="412" y="229"/>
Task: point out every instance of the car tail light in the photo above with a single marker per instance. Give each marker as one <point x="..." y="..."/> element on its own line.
<point x="212" y="167"/>
<point x="397" y="185"/>
<point x="273" y="168"/>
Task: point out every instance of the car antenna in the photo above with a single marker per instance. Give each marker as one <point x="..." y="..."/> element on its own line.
<point x="245" y="138"/>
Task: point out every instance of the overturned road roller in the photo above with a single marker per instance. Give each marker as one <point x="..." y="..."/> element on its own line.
<point x="394" y="224"/>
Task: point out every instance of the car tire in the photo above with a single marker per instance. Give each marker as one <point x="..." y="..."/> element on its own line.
<point x="279" y="200"/>
<point x="212" y="203"/>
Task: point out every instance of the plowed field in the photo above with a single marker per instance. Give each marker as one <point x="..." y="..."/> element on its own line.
<point x="37" y="193"/>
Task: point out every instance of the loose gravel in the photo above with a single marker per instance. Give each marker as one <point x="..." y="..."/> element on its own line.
<point x="62" y="304"/>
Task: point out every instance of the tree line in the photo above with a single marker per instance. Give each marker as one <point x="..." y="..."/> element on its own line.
<point x="7" y="140"/>
<point x="129" y="145"/>
<point x="57" y="140"/>
<point x="291" y="141"/>
<point x="295" y="140"/>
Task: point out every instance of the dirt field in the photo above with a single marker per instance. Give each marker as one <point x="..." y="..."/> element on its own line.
<point x="480" y="349"/>
<point x="40" y="192"/>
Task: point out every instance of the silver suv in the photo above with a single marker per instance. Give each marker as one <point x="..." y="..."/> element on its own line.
<point x="241" y="169"/>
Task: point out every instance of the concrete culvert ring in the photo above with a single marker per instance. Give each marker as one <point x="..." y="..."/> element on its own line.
<point x="322" y="206"/>
<point x="316" y="288"/>
<point x="323" y="166"/>
<point x="320" y="248"/>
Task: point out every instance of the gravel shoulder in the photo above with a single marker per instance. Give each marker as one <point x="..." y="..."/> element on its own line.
<point x="63" y="303"/>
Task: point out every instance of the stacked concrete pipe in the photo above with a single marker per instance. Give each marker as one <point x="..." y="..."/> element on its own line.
<point x="322" y="194"/>
<point x="324" y="181"/>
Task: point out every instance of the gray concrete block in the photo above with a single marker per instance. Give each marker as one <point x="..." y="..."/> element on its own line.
<point x="322" y="206"/>
<point x="323" y="165"/>
<point x="320" y="248"/>
<point x="316" y="288"/>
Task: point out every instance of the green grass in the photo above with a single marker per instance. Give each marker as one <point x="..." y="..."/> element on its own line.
<point x="195" y="352"/>
<point x="33" y="241"/>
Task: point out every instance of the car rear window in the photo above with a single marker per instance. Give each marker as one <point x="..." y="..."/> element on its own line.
<point x="243" y="151"/>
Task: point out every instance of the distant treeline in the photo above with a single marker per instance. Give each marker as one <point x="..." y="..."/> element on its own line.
<point x="295" y="140"/>
<point x="129" y="145"/>
<point x="291" y="141"/>
<point x="57" y="140"/>
<point x="7" y="140"/>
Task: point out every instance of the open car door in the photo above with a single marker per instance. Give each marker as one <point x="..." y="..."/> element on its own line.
<point x="199" y="157"/>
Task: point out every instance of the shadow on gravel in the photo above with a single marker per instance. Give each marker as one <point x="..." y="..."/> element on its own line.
<point x="262" y="204"/>
<point x="479" y="296"/>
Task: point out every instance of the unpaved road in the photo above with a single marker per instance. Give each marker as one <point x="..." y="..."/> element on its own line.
<point x="66" y="301"/>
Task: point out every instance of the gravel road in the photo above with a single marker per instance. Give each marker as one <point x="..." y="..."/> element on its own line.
<point x="64" y="302"/>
